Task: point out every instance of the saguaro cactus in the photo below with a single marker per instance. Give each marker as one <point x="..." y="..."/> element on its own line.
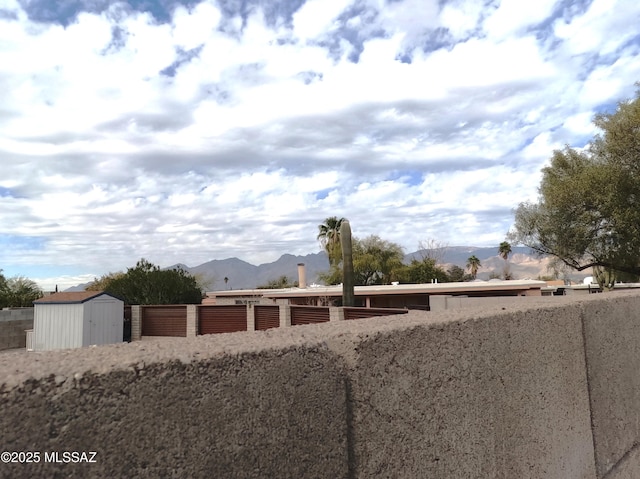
<point x="348" y="298"/>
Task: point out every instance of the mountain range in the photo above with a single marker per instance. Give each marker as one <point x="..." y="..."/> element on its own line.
<point x="523" y="264"/>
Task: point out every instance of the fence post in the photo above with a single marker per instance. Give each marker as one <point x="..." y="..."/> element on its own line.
<point x="285" y="315"/>
<point x="136" y="322"/>
<point x="336" y="313"/>
<point x="251" y="318"/>
<point x="192" y="320"/>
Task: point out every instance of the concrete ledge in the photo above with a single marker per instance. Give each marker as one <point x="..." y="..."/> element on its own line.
<point x="612" y="342"/>
<point x="496" y="397"/>
<point x="277" y="413"/>
<point x="510" y="391"/>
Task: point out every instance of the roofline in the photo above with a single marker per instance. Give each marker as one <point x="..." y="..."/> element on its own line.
<point x="424" y="288"/>
<point x="98" y="294"/>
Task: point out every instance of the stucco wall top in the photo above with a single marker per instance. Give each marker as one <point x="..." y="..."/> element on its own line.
<point x="16" y="368"/>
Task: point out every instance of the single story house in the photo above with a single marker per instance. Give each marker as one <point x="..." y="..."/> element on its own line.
<point x="412" y="296"/>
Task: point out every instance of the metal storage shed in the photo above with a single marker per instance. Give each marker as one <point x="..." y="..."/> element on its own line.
<point x="77" y="319"/>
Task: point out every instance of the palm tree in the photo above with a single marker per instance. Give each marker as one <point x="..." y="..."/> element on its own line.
<point x="504" y="250"/>
<point x="473" y="264"/>
<point x="329" y="237"/>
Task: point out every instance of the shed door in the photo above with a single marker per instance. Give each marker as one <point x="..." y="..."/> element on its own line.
<point x="102" y="323"/>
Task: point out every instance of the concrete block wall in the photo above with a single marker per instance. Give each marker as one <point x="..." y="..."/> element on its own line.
<point x="192" y="320"/>
<point x="533" y="390"/>
<point x="13" y="324"/>
<point x="612" y="343"/>
<point x="503" y="396"/>
<point x="136" y="323"/>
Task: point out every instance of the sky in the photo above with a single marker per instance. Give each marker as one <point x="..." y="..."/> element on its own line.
<point x="187" y="131"/>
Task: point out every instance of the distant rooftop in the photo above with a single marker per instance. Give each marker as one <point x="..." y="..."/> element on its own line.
<point x="432" y="288"/>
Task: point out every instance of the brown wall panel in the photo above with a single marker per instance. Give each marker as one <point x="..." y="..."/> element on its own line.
<point x="164" y="320"/>
<point x="216" y="319"/>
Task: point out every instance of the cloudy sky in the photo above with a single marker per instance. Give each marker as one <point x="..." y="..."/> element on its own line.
<point x="188" y="130"/>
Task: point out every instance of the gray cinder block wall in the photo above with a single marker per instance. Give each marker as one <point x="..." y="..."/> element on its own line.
<point x="542" y="389"/>
<point x="13" y="324"/>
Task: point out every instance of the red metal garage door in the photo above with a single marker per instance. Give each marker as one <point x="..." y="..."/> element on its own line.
<point x="216" y="319"/>
<point x="266" y="317"/>
<point x="360" y="313"/>
<point x="309" y="315"/>
<point x="164" y="320"/>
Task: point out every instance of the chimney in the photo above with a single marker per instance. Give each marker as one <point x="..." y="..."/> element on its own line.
<point x="302" y="276"/>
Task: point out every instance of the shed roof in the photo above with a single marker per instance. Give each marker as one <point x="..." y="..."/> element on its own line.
<point x="71" y="297"/>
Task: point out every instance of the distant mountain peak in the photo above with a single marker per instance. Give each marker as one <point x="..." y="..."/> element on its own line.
<point x="243" y="275"/>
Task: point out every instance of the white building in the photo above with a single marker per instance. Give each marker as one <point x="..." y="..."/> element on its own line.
<point x="77" y="319"/>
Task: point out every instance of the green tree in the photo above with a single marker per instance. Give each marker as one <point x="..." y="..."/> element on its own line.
<point x="3" y="291"/>
<point x="20" y="292"/>
<point x="102" y="283"/>
<point x="504" y="250"/>
<point x="329" y="237"/>
<point x="421" y="271"/>
<point x="146" y="283"/>
<point x="375" y="261"/>
<point x="456" y="274"/>
<point x="588" y="211"/>
<point x="280" y="283"/>
<point x="473" y="265"/>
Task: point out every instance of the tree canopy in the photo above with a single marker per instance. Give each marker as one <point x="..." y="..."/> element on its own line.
<point x="146" y="283"/>
<point x="282" y="282"/>
<point x="504" y="250"/>
<point x="588" y="212"/>
<point x="473" y="265"/>
<point x="375" y="261"/>
<point x="457" y="274"/>
<point x="422" y="271"/>
<point x="18" y="292"/>
<point x="378" y="261"/>
<point x="329" y="237"/>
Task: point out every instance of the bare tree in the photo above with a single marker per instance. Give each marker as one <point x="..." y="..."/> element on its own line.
<point x="433" y="249"/>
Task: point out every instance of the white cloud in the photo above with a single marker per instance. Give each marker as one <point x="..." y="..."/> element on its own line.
<point x="193" y="28"/>
<point x="481" y="62"/>
<point x="581" y="124"/>
<point x="258" y="135"/>
<point x="461" y="18"/>
<point x="592" y="31"/>
<point x="412" y="18"/>
<point x="316" y="17"/>
<point x="514" y="16"/>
